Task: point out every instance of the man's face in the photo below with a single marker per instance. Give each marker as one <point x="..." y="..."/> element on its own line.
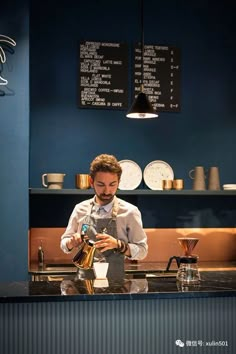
<point x="105" y="185"/>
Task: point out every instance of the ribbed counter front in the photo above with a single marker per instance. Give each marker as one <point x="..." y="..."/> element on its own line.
<point x="143" y="316"/>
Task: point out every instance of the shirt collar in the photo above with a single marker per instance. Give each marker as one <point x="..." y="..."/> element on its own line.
<point x="106" y="207"/>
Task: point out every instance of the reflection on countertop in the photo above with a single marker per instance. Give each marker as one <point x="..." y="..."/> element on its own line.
<point x="135" y="266"/>
<point x="56" y="271"/>
<point x="98" y="286"/>
<point x="213" y="284"/>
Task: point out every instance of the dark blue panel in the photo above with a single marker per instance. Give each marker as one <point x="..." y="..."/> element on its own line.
<point x="65" y="138"/>
<point x="157" y="211"/>
<point x="14" y="143"/>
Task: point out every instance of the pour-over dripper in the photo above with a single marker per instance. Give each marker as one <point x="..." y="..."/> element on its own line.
<point x="188" y="244"/>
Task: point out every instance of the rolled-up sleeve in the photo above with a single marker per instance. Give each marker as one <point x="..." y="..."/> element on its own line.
<point x="130" y="229"/>
<point x="71" y="229"/>
<point x="75" y="223"/>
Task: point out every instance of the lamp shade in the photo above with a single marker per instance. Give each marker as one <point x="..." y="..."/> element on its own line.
<point x="141" y="108"/>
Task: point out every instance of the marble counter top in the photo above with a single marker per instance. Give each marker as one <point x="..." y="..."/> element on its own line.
<point x="213" y="284"/>
<point x="131" y="267"/>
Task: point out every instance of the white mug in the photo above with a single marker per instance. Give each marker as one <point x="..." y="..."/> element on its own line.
<point x="53" y="180"/>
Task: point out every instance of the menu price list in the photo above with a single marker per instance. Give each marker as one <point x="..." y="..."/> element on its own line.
<point x="103" y="81"/>
<point x="161" y="76"/>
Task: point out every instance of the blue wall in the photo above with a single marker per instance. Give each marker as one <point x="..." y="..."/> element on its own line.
<point x="65" y="138"/>
<point x="14" y="144"/>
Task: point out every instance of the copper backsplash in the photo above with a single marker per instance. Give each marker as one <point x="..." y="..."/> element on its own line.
<point x="215" y="244"/>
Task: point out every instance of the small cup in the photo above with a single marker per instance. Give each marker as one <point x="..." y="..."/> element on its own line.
<point x="167" y="184"/>
<point x="53" y="180"/>
<point x="178" y="184"/>
<point x="82" y="181"/>
<point x="100" y="269"/>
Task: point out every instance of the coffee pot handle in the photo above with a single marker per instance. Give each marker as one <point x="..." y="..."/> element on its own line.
<point x="176" y="258"/>
<point x="191" y="174"/>
<point x="43" y="180"/>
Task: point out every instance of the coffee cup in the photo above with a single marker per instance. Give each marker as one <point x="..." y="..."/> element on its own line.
<point x="178" y="184"/>
<point x="100" y="269"/>
<point x="100" y="283"/>
<point x="53" y="180"/>
<point x="82" y="181"/>
<point x="167" y="184"/>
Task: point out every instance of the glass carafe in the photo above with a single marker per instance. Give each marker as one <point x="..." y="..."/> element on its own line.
<point x="188" y="272"/>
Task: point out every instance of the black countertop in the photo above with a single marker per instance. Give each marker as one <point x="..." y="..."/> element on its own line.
<point x="131" y="267"/>
<point x="153" y="286"/>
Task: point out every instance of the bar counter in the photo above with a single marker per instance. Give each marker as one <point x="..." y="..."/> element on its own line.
<point x="143" y="315"/>
<point x="153" y="286"/>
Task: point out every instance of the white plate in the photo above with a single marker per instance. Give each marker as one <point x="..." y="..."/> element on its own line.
<point x="229" y="186"/>
<point x="155" y="172"/>
<point x="131" y="175"/>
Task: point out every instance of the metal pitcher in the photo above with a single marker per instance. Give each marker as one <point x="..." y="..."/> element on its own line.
<point x="85" y="256"/>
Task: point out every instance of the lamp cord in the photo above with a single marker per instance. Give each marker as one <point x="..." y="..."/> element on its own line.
<point x="142" y="46"/>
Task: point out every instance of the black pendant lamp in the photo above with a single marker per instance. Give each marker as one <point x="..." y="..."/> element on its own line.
<point x="141" y="107"/>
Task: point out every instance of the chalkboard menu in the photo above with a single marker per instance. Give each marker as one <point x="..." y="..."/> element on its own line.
<point x="103" y="75"/>
<point x="161" y="76"/>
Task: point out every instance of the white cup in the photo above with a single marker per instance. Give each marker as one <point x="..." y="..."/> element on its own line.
<point x="100" y="283"/>
<point x="100" y="269"/>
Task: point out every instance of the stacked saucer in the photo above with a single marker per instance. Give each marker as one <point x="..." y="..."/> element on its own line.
<point x="229" y="186"/>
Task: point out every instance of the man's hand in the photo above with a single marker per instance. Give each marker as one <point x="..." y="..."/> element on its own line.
<point x="74" y="241"/>
<point x="105" y="242"/>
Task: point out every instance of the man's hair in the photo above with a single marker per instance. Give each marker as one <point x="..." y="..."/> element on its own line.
<point x="105" y="163"/>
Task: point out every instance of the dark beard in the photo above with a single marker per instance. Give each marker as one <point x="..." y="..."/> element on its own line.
<point x="106" y="199"/>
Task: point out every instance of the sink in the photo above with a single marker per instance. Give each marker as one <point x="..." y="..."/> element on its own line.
<point x="60" y="267"/>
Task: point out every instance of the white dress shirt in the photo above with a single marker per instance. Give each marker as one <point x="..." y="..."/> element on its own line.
<point x="128" y="222"/>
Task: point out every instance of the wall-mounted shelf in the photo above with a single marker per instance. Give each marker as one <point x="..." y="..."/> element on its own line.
<point x="136" y="192"/>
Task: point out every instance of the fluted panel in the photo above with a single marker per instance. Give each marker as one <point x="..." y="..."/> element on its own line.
<point x="120" y="326"/>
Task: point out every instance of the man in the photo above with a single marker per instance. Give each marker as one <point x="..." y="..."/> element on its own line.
<point x="113" y="223"/>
